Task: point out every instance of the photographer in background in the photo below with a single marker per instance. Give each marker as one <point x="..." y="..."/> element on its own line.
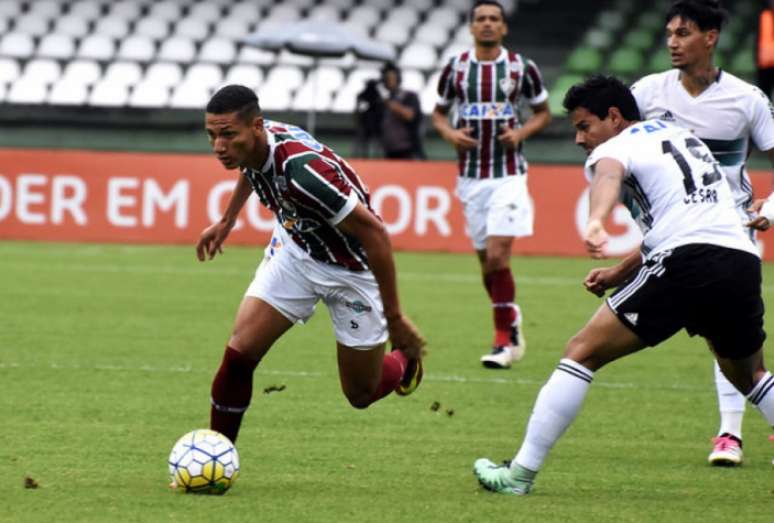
<point x="369" y="109"/>
<point x="401" y="119"/>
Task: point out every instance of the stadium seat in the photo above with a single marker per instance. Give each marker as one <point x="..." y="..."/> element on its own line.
<point x="112" y="26"/>
<point x="32" y="24"/>
<point x="280" y="13"/>
<point x="9" y="70"/>
<point x="659" y="61"/>
<point x="205" y="75"/>
<point x="247" y="75"/>
<point x="4" y="25"/>
<point x="307" y="99"/>
<point x="41" y="70"/>
<point x="412" y="80"/>
<point x="48" y="9"/>
<point x="2" y="93"/>
<point x="396" y="34"/>
<point x="68" y="93"/>
<point x="177" y="49"/>
<point x="430" y="33"/>
<point x="449" y="51"/>
<point x="17" y="45"/>
<point x="126" y="9"/>
<point x="626" y="62"/>
<point x="641" y="39"/>
<point x="462" y="36"/>
<point x="218" y="50"/>
<point x="342" y="62"/>
<point x="286" y="57"/>
<point x="24" y="91"/>
<point x="598" y="39"/>
<point x="124" y="74"/>
<point x="86" y="72"/>
<point x="155" y="28"/>
<point x="149" y="96"/>
<point x="206" y="12"/>
<point x="10" y="8"/>
<point x="72" y="25"/>
<point x="253" y="55"/>
<point x="611" y="21"/>
<point x="343" y="5"/>
<point x="652" y="21"/>
<point x="344" y="102"/>
<point x="559" y="89"/>
<point x="288" y="76"/>
<point x="405" y="15"/>
<point x="58" y="46"/>
<point x="324" y="13"/>
<point x="188" y="96"/>
<point x="96" y="47"/>
<point x="232" y="28"/>
<point x="418" y="56"/>
<point x="275" y="97"/>
<point x="165" y="10"/>
<point x="355" y="27"/>
<point x="446" y="17"/>
<point x="86" y="9"/>
<point x="247" y="11"/>
<point x="137" y="47"/>
<point x="365" y="16"/>
<point x="421" y="5"/>
<point x="165" y="74"/>
<point x="584" y="60"/>
<point x="105" y="94"/>
<point x="194" y="28"/>
<point x="328" y="79"/>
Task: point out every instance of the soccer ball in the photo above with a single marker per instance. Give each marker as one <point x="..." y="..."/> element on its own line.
<point x="203" y="461"/>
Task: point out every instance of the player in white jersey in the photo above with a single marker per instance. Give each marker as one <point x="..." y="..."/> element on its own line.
<point x="694" y="249"/>
<point x="728" y="114"/>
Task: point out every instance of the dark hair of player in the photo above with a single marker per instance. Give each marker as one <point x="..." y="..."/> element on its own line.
<point x="486" y="2"/>
<point x="706" y="14"/>
<point x="235" y="98"/>
<point x="598" y="94"/>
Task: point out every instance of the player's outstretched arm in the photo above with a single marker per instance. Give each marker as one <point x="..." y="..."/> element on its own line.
<point x="603" y="195"/>
<point x="364" y="226"/>
<point x="212" y="238"/>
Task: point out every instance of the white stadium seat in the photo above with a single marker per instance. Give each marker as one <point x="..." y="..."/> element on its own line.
<point x="324" y="13"/>
<point x="165" y="74"/>
<point x="137" y="47"/>
<point x="96" y="47"/>
<point x="189" y="96"/>
<point x="32" y="24"/>
<point x="404" y="14"/>
<point x="253" y="55"/>
<point x="289" y="76"/>
<point x="286" y="57"/>
<point x="155" y="28"/>
<point x="218" y="50"/>
<point x="424" y="5"/>
<point x="124" y="74"/>
<point x="25" y="91"/>
<point x="165" y="10"/>
<point x="412" y="80"/>
<point x="301" y="4"/>
<point x="41" y="70"/>
<point x="106" y="94"/>
<point x="365" y="15"/>
<point x="48" y="9"/>
<point x="396" y="34"/>
<point x="86" y="72"/>
<point x="242" y="74"/>
<point x="462" y="36"/>
<point x="2" y="93"/>
<point x="232" y="28"/>
<point x="274" y="97"/>
<point x="87" y="9"/>
<point x="149" y="96"/>
<point x="344" y="102"/>
<point x="68" y="93"/>
<point x="444" y="16"/>
<point x="343" y="5"/>
<point x="283" y="13"/>
<point x="18" y="45"/>
<point x="194" y="28"/>
<point x="246" y="11"/>
<point x="72" y="25"/>
<point x="206" y="12"/>
<point x="328" y="79"/>
<point x="10" y="8"/>
<point x="113" y="26"/>
<point x="418" y="56"/>
<point x="205" y="75"/>
<point x="58" y="46"/>
<point x="9" y="70"/>
<point x="127" y="9"/>
<point x="356" y="28"/>
<point x="177" y="49"/>
<point x="432" y="34"/>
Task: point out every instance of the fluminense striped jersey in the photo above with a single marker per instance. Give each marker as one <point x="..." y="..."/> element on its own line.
<point x="487" y="95"/>
<point x="726" y="116"/>
<point x="310" y="189"/>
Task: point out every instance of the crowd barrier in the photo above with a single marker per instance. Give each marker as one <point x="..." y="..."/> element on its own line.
<point x="87" y="196"/>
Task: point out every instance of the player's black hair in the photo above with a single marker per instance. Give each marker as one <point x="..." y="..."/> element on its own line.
<point x="598" y="94"/>
<point x="706" y="14"/>
<point x="391" y="67"/>
<point x="235" y="98"/>
<point x="485" y="2"/>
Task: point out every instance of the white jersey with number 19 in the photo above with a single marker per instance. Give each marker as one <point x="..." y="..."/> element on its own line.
<point x="673" y="188"/>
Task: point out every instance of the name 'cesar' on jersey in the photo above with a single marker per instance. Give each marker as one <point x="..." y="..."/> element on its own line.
<point x="673" y="188"/>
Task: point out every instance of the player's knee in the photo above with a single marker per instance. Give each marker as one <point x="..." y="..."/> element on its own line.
<point x="360" y="398"/>
<point x="581" y="350"/>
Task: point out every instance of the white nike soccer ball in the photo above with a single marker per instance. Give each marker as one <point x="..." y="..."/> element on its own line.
<point x="203" y="461"/>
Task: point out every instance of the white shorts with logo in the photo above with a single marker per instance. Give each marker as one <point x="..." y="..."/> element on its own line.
<point x="292" y="282"/>
<point x="496" y="207"/>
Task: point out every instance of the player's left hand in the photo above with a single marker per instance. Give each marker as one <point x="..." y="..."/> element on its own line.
<point x="405" y="336"/>
<point x="509" y="136"/>
<point x="760" y="222"/>
<point x="595" y="239"/>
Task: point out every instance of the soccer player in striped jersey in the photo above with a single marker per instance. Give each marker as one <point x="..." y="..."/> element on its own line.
<point x="487" y="83"/>
<point x="728" y="114"/>
<point x="694" y="249"/>
<point x="328" y="245"/>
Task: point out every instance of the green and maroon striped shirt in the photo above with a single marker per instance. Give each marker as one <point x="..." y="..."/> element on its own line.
<point x="487" y="96"/>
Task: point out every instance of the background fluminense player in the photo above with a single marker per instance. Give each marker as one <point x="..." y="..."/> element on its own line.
<point x="726" y="113"/>
<point x="694" y="250"/>
<point x="328" y="245"/>
<point x="487" y="83"/>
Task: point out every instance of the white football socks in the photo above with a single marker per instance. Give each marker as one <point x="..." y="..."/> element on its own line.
<point x="731" y="405"/>
<point x="556" y="407"/>
<point x="762" y="396"/>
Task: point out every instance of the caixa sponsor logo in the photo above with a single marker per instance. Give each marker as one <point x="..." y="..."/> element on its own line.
<point x="358" y="306"/>
<point x="487" y="111"/>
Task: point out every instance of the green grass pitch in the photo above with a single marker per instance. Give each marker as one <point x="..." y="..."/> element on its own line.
<point x="106" y="357"/>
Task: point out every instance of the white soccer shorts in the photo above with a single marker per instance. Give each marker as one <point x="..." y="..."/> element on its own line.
<point x="292" y="282"/>
<point x="496" y="207"/>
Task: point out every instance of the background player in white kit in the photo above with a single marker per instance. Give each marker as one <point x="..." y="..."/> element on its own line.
<point x="694" y="249"/>
<point x="726" y="113"/>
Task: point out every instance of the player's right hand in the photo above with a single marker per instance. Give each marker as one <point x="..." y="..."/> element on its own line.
<point x="595" y="239"/>
<point x="461" y="139"/>
<point x="211" y="240"/>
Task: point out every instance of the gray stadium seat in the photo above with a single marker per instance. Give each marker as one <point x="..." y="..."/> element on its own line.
<point x="324" y="13"/>
<point x="41" y="70"/>
<point x="87" y="9"/>
<point x="431" y="33"/>
<point x="444" y="16"/>
<point x="127" y="9"/>
<point x="10" y="8"/>
<point x="165" y="10"/>
<point x="246" y="11"/>
<point x="253" y="55"/>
